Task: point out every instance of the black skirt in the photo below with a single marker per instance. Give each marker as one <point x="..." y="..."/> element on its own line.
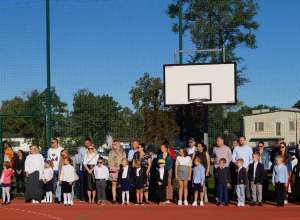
<point x="125" y="185"/>
<point x="66" y="187"/>
<point x="90" y="180"/>
<point x="34" y="187"/>
<point x="139" y="184"/>
<point x="48" y="186"/>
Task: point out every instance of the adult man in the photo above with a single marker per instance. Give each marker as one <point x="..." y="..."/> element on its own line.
<point x="221" y="151"/>
<point x="7" y="151"/>
<point x="235" y="143"/>
<point x="82" y="152"/>
<point x="191" y="149"/>
<point x="264" y="159"/>
<point x="245" y="152"/>
<point x="132" y="151"/>
<point x="54" y="155"/>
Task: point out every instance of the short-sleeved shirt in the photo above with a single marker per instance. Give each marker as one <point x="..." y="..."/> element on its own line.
<point x="91" y="159"/>
<point x="144" y="159"/>
<point x="185" y="161"/>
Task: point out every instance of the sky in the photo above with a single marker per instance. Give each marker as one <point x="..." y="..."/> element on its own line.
<point x="108" y="45"/>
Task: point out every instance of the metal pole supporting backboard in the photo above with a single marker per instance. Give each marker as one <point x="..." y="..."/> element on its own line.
<point x="205" y="117"/>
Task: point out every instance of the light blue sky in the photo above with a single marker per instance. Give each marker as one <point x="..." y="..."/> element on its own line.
<point x="107" y="46"/>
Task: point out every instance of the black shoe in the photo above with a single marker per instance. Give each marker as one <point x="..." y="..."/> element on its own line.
<point x="282" y="205"/>
<point x="7" y="203"/>
<point x="226" y="204"/>
<point x="82" y="200"/>
<point x="141" y="203"/>
<point x="253" y="204"/>
<point x="3" y="203"/>
<point x="260" y="204"/>
<point x="248" y="200"/>
<point x="114" y="202"/>
<point x="278" y="205"/>
<point x="219" y="204"/>
<point x="147" y="202"/>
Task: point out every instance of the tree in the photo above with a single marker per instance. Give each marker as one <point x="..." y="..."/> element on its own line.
<point x="157" y="122"/>
<point x="218" y="24"/>
<point x="297" y="105"/>
<point x="93" y="116"/>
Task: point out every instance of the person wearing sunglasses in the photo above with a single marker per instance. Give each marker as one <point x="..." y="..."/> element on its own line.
<point x="191" y="147"/>
<point x="89" y="163"/>
<point x="264" y="159"/>
<point x="54" y="155"/>
<point x="101" y="175"/>
<point x="282" y="151"/>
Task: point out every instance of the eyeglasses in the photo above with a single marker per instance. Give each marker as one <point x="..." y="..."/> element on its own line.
<point x="260" y="146"/>
<point x="137" y="147"/>
<point x="91" y="148"/>
<point x="282" y="146"/>
<point x="100" y="162"/>
<point x="52" y="142"/>
<point x="191" y="142"/>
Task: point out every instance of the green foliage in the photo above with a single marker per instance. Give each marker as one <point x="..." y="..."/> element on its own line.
<point x="218" y="24"/>
<point x="155" y="121"/>
<point x="297" y="104"/>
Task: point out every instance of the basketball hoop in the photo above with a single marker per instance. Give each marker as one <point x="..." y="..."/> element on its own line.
<point x="198" y="107"/>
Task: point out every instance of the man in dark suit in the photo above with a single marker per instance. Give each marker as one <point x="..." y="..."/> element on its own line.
<point x="256" y="176"/>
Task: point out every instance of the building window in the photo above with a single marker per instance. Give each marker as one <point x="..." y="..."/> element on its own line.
<point x="16" y="144"/>
<point x="291" y="125"/>
<point x="278" y="128"/>
<point x="259" y="126"/>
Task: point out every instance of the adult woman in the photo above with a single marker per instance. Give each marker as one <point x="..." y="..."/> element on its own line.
<point x="282" y="150"/>
<point x="183" y="171"/>
<point x="34" y="166"/>
<point x="145" y="158"/>
<point x="20" y="171"/>
<point x="203" y="154"/>
<point x="297" y="177"/>
<point x="89" y="163"/>
<point x="114" y="161"/>
<point x="168" y="165"/>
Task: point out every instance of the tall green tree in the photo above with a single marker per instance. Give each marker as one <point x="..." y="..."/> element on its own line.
<point x="94" y="116"/>
<point x="157" y="122"/>
<point x="218" y="24"/>
<point x="297" y="104"/>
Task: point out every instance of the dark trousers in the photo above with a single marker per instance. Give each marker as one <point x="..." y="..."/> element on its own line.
<point x="81" y="183"/>
<point x="265" y="189"/>
<point x="100" y="188"/>
<point x="223" y="190"/>
<point x="280" y="193"/>
<point x="162" y="193"/>
<point x="248" y="193"/>
<point x="20" y="187"/>
<point x="216" y="182"/>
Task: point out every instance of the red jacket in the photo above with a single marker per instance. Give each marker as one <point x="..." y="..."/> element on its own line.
<point x="171" y="151"/>
<point x="6" y="175"/>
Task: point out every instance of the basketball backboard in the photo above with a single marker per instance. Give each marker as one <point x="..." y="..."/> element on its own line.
<point x="214" y="82"/>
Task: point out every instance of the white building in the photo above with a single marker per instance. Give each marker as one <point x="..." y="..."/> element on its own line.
<point x="19" y="141"/>
<point x="263" y="125"/>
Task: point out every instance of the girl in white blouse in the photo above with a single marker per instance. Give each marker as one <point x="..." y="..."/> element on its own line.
<point x="183" y="171"/>
<point x="67" y="177"/>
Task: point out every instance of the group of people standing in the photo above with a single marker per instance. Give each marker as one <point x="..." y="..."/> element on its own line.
<point x="246" y="170"/>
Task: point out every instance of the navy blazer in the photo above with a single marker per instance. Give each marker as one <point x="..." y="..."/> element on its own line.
<point x="259" y="173"/>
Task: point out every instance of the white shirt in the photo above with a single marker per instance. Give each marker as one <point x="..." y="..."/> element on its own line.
<point x="186" y="161"/>
<point x="54" y="155"/>
<point x="161" y="173"/>
<point x="279" y="166"/>
<point x="138" y="171"/>
<point x="125" y="171"/>
<point x="67" y="173"/>
<point x="48" y="174"/>
<point x="90" y="159"/>
<point x="191" y="150"/>
<point x="34" y="162"/>
<point x="101" y="172"/>
<point x="255" y="165"/>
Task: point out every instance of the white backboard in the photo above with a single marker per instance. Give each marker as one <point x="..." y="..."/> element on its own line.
<point x="215" y="82"/>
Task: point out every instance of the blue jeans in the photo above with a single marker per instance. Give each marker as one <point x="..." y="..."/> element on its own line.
<point x="81" y="183"/>
<point x="223" y="190"/>
<point x="58" y="187"/>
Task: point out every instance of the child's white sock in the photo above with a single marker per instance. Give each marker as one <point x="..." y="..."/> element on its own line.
<point x="7" y="193"/>
<point x="3" y="193"/>
<point x="65" y="198"/>
<point x="48" y="196"/>
<point x="69" y="198"/>
<point x="127" y="195"/>
<point x="123" y="196"/>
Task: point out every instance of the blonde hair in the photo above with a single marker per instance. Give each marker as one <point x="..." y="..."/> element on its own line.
<point x="61" y="158"/>
<point x="138" y="163"/>
<point x="35" y="149"/>
<point x="50" y="162"/>
<point x="279" y="157"/>
<point x="198" y="159"/>
<point x="240" y="160"/>
<point x="88" y="153"/>
<point x="70" y="160"/>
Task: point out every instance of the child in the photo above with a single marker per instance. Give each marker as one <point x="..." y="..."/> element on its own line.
<point x="5" y="181"/>
<point x="198" y="180"/>
<point x="101" y="175"/>
<point x="124" y="177"/>
<point x="139" y="180"/>
<point x="256" y="176"/>
<point x="241" y="181"/>
<point x="223" y="181"/>
<point x="47" y="180"/>
<point x="162" y="176"/>
<point x="280" y="179"/>
<point x="67" y="177"/>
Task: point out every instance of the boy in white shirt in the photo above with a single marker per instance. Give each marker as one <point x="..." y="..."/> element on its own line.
<point x="101" y="175"/>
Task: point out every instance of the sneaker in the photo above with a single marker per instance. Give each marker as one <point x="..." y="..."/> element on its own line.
<point x="179" y="202"/>
<point x="253" y="204"/>
<point x="201" y="203"/>
<point x="239" y="204"/>
<point x="226" y="204"/>
<point x="123" y="203"/>
<point x="44" y="200"/>
<point x="260" y="204"/>
<point x="127" y="203"/>
<point x="69" y="203"/>
<point x="7" y="203"/>
<point x="219" y="204"/>
<point x="103" y="203"/>
<point x="81" y="200"/>
<point x="33" y="201"/>
<point x="99" y="203"/>
<point x="159" y="203"/>
<point x="285" y="202"/>
<point x="242" y="204"/>
<point x="163" y="203"/>
<point x="37" y="202"/>
<point x="65" y="203"/>
<point x="168" y="202"/>
<point x="137" y="204"/>
<point x="194" y="203"/>
<point x="141" y="203"/>
<point x="185" y="202"/>
<point x="3" y="203"/>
